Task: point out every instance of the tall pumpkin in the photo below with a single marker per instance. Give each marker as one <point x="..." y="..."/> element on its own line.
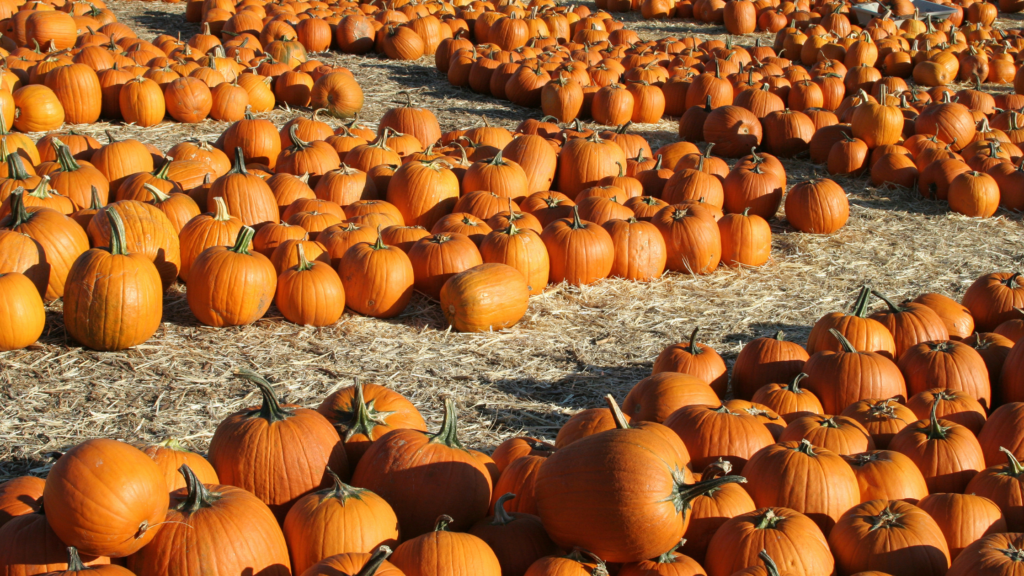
<point x="399" y="464"/>
<point x="584" y="161"/>
<point x="580" y="252"/>
<point x="105" y="498"/>
<point x="203" y="528"/>
<point x="113" y="299"/>
<point x="247" y="196"/>
<point x="231" y="286"/>
<point x="277" y="452"/>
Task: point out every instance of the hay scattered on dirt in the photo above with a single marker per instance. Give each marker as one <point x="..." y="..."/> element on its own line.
<point x="574" y="346"/>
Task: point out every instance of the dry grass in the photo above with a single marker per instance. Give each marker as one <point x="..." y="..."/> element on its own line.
<point x="574" y="346"/>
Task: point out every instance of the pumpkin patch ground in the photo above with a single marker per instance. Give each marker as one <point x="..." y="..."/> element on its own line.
<point x="577" y="349"/>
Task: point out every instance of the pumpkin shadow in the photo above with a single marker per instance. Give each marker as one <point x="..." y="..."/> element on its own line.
<point x="170" y="23"/>
<point x="28" y="466"/>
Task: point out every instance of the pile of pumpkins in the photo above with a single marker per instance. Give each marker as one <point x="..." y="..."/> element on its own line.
<point x="889" y="445"/>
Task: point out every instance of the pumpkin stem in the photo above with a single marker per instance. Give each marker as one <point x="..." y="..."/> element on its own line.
<point x="1014" y="466"/>
<point x="379" y="244"/>
<point x="769" y="564"/>
<point x="684" y="494"/>
<point x="18" y="209"/>
<point x="96" y="203"/>
<point x="860" y="306"/>
<point x="64" y="158"/>
<point x="340" y="490"/>
<point x="449" y="432"/>
<point x="622" y="171"/>
<point x="117" y="234"/>
<point x="768" y="519"/>
<point x="501" y="517"/>
<point x="42" y="190"/>
<point x="239" y="167"/>
<point x="617" y="415"/>
<point x="707" y="100"/>
<point x="271" y="409"/>
<point x="15" y="167"/>
<point x="693" y="347"/>
<point x="893" y="308"/>
<point x="197" y="496"/>
<point x="297" y="143"/>
<point x="221" y="214"/>
<point x="161" y="173"/>
<point x="442" y="522"/>
<point x="805" y="447"/>
<point x="375" y="561"/>
<point x="936" y="431"/>
<point x="158" y="196"/>
<point x="172" y="443"/>
<point x="304" y="264"/>
<point x="74" y="560"/>
<point x="843" y="342"/>
<point x="794" y="386"/>
<point x="243" y="240"/>
<point x="1011" y="282"/>
<point x="577" y="224"/>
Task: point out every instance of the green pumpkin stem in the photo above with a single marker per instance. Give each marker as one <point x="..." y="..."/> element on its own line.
<point x="117" y="234"/>
<point x="768" y="519"/>
<point x="42" y="190"/>
<point x="364" y="420"/>
<point x="18" y="209"/>
<point x="693" y="348"/>
<point x="501" y="517"/>
<point x="442" y="522"/>
<point x="577" y="224"/>
<point x="15" y="167"/>
<point x="197" y="496"/>
<point x="297" y="143"/>
<point x="379" y="244"/>
<point x="243" y="240"/>
<point x="805" y="447"/>
<point x="373" y="564"/>
<point x="158" y="195"/>
<point x="670" y="557"/>
<point x="239" y="167"/>
<point x="935" y="431"/>
<point x="843" y="342"/>
<point x="74" y="560"/>
<point x="271" y="409"/>
<point x="893" y="308"/>
<point x="769" y="564"/>
<point x="684" y="493"/>
<point x="340" y="490"/>
<point x="794" y="386"/>
<point x="172" y="443"/>
<point x="96" y="202"/>
<point x="620" y="419"/>
<point x="780" y="336"/>
<point x="449" y="432"/>
<point x="1013" y="466"/>
<point x="860" y="306"/>
<point x="304" y="264"/>
<point x="64" y="158"/>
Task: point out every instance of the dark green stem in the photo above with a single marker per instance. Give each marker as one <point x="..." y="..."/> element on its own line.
<point x="271" y="409"/>
<point x="117" y="234"/>
<point x="501" y="517"/>
<point x="843" y="342"/>
<point x="375" y="561"/>
<point x="449" y="432"/>
<point x="860" y="307"/>
<point x="198" y="496"/>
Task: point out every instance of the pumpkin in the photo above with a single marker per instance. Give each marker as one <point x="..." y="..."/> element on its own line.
<point x="356" y="564"/>
<point x="733" y="130"/>
<point x="339" y="520"/>
<point x="789" y="400"/>
<point x="141" y="101"/>
<point x="671" y="562"/>
<point x="656" y="397"/>
<point x="484" y="298"/>
<point x="119" y="159"/>
<point x="862" y="332"/>
<point x="791" y="538"/>
<point x="516" y="539"/>
<point x="887" y="475"/>
<point x="246" y="195"/>
<point x="439" y="257"/>
<point x="170" y="456"/>
<point x="37" y="109"/>
<point x="363" y="413"/>
<point x="205" y="231"/>
<point x="764" y="361"/>
<point x="692" y="238"/>
<point x="697" y="359"/>
<point x="257" y="138"/>
<point x="338" y="93"/>
<point x="22" y="316"/>
<point x="1002" y="429"/>
<point x="758" y="189"/>
<point x="20" y="496"/>
<point x="218" y="275"/>
<point x="577" y="562"/>
<point x="910" y="324"/>
<point x="948" y="365"/>
<point x="746" y="239"/>
<point x="992" y="299"/>
<point x="378" y="279"/>
<point x="197" y="518"/>
<point x="309" y="293"/>
<point x="188" y="100"/>
<point x="584" y="161"/>
<point x="29" y="545"/>
<point x="991" y="555"/>
<point x="954" y="405"/>
<point x="248" y="450"/>
<point x="1002" y="484"/>
<point x="123" y="490"/>
<point x="839" y="434"/>
<point x="423" y="191"/>
<point x="521" y="248"/>
<point x="567" y="240"/>
<point x="536" y="157"/>
<point x="75" y="180"/>
<point x="891" y="536"/>
<point x="963" y="518"/>
<point x="882" y="418"/>
<point x="713" y="432"/>
<point x="947" y="454"/>
<point x="315" y="158"/>
<point x="841" y="378"/>
<point x="817" y="207"/>
<point x="957" y="318"/>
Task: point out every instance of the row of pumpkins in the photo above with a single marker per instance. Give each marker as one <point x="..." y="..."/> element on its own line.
<point x="821" y="473"/>
<point x="317" y="219"/>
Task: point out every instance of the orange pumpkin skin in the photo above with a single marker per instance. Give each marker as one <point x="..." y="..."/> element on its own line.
<point x="218" y="228"/>
<point x="78" y="89"/>
<point x="354" y="564"/>
<point x="839" y="434"/>
<point x="22" y="254"/>
<point x="992" y="555"/>
<point x="20" y="496"/>
<point x="582" y="424"/>
<point x="963" y="518"/>
<point x="436" y="259"/>
<point x="1003" y="429"/>
<point x="277" y="452"/>
<point x="863" y="333"/>
<point x="364" y="413"/>
<point x="708" y="512"/>
<point x="519" y="478"/>
<point x="668" y="564"/>
<point x="22" y="315"/>
<point x="697" y="359"/>
<point x="656" y="397"/>
<point x="28" y="546"/>
<point x="567" y="240"/>
<point x="339" y="93"/>
<point x="882" y="418"/>
<point x="956" y="316"/>
<point x="992" y="299"/>
<point x="948" y="365"/>
<point x="910" y="324"/>
<point x="378" y="279"/>
<point x="887" y="475"/>
<point x="338" y="520"/>
<point x="817" y="207"/>
<point x="247" y="196"/>
<point x="196" y="532"/>
<point x="113" y="300"/>
<point x="766" y="360"/>
<point x="441" y="552"/>
<point x="218" y="276"/>
<point x="521" y="248"/>
<point x="640" y="252"/>
<point x="891" y="536"/>
<point x="485" y="298"/>
<point x="396" y="465"/>
<point x="170" y="456"/>
<point x="692" y="238"/>
<point x="188" y="100"/>
<point x="515" y="448"/>
<point x="713" y="432"/>
<point x="148" y="232"/>
<point x="947" y="454"/>
<point x="789" y="537"/>
<point x="585" y="161"/>
<point x="310" y="293"/>
<point x="62" y="240"/>
<point x="578" y="562"/>
<point x="1004" y="485"/>
<point x="839" y="379"/>
<point x="126" y="497"/>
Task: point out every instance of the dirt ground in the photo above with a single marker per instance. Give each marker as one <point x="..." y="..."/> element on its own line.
<point x="574" y="346"/>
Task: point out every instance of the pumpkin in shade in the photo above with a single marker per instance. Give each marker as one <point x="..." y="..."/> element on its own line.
<point x="521" y="476"/>
<point x="196" y="531"/>
<point x="947" y="454"/>
<point x="113" y="299"/>
<point x="887" y="475"/>
<point x="839" y="434"/>
<point x="580" y="252"/>
<point x="697" y="359"/>
<point x="789" y="400"/>
<point x="396" y="465"/>
<point x="122" y="490"/>
<point x="578" y="562"/>
<point x="378" y="279"/>
<point x="20" y="496"/>
<point x="22" y="315"/>
<point x="656" y="397"/>
<point x="356" y="564"/>
<point x="1003" y="430"/>
<point x="955" y="316"/>
<point x="948" y="365"/>
<point x="746" y="239"/>
<point x="792" y="539"/>
<point x="341" y="519"/>
<point x="277" y="452"/>
<point x="170" y="456"/>
<point x="770" y="568"/>
<point x="1004" y="485"/>
<point x="711" y="509"/>
<point x="862" y="332"/>
<point x="231" y="286"/>
<point x="817" y="206"/>
<point x="670" y="563"/>
<point x="963" y="518"/>
<point x="485" y="298"/>
<point x="992" y="555"/>
<point x="515" y="448"/>
<point x="713" y="432"/>
<point x="882" y="418"/>
<point x="364" y="413"/>
<point x="29" y="546"/>
<point x="813" y="481"/>
<point x="517" y="539"/>
<point x="910" y="324"/>
<point x="891" y="536"/>
<point x="764" y="361"/>
<point x="72" y="564"/>
<point x="733" y="130"/>
<point x="992" y="299"/>
<point x="580" y="505"/>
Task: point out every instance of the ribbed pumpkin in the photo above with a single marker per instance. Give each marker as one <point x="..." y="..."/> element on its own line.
<point x="1004" y="485"/>
<point x="910" y="324"/>
<point x="862" y="332"/>
<point x="947" y="454"/>
<point x="882" y="418"/>
<point x="890" y="536"/>
<point x="766" y="360"/>
<point x="356" y="564"/>
<point x="363" y="413"/>
<point x="378" y="279"/>
<point x="789" y="400"/>
<point x="956" y="406"/>
<point x="339" y="520"/>
<point x="231" y="286"/>
<point x="963" y="518"/>
<point x="75" y="180"/>
<point x="170" y="455"/>
<point x="584" y="161"/>
<point x="20" y="496"/>
<point x="746" y="239"/>
<point x="105" y="498"/>
<point x="196" y="529"/>
<point x="795" y="543"/>
<point x="517" y="539"/>
<point x="697" y="359"/>
<point x="424" y="191"/>
<point x="817" y="207"/>
<point x="948" y="365"/>
<point x="992" y="299"/>
<point x="955" y="316"/>
<point x="656" y="397"/>
<point x="992" y="555"/>
<point x="247" y="196"/>
<point x="498" y="175"/>
<point x="485" y="298"/>
<point x="258" y="139"/>
<point x="22" y="316"/>
<point x="204" y="231"/>
<point x="438" y="258"/>
<point x="580" y="252"/>
<point x="310" y="293"/>
<point x="841" y="378"/>
<point x="692" y="239"/>
<point x="757" y="188"/>
<point x="1003" y="430"/>
<point x="640" y="252"/>
<point x="522" y="249"/>
<point x="839" y="434"/>
<point x="400" y="462"/>
<point x="887" y="475"/>
<point x="29" y="546"/>
<point x="277" y="452"/>
<point x="444" y="553"/>
<point x="713" y="432"/>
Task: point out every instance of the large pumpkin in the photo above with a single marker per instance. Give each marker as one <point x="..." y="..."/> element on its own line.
<point x="992" y="299"/>
<point x="887" y="475"/>
<point x="841" y="378"/>
<point x="277" y="452"/>
<point x="948" y="454"/>
<point x="949" y="365"/>
<point x="992" y="555"/>
<point x="28" y="546"/>
<point x="398" y="465"/>
<point x="105" y="498"/>
<point x="890" y="536"/>
<point x="214" y="524"/>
